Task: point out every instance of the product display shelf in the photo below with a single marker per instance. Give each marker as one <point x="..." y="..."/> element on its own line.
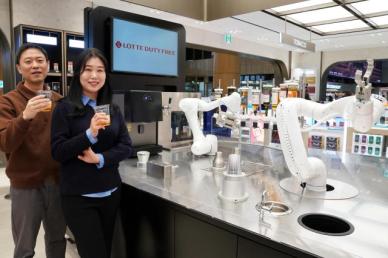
<point x="364" y="146"/>
<point x="327" y="136"/>
<point x="71" y="53"/>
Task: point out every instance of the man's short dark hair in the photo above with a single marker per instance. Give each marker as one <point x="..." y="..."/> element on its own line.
<point x="26" y="46"/>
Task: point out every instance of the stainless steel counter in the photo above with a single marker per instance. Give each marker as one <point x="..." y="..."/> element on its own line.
<point x="193" y="186"/>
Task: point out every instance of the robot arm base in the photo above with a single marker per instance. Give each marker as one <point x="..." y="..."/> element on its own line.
<point x="316" y="180"/>
<point x="207" y="146"/>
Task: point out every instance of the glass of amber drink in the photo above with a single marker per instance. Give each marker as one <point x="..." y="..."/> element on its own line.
<point x="48" y="94"/>
<point x="103" y="109"/>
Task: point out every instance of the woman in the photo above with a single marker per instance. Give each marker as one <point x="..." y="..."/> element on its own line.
<point x="89" y="152"/>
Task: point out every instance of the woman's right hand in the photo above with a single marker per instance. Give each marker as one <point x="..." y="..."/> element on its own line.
<point x="99" y="121"/>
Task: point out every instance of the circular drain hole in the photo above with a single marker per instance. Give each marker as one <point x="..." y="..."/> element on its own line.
<point x="325" y="224"/>
<point x="329" y="188"/>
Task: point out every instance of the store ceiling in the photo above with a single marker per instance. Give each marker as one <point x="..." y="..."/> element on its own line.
<point x="330" y="17"/>
<point x="208" y="10"/>
<point x="264" y="27"/>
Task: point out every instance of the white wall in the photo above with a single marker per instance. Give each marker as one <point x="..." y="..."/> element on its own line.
<point x="307" y="61"/>
<point x="4" y="19"/>
<point x="56" y="14"/>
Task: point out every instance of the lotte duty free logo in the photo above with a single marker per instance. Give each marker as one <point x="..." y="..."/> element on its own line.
<point x="118" y="44"/>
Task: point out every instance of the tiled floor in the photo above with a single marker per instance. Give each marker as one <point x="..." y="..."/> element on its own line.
<point x="6" y="242"/>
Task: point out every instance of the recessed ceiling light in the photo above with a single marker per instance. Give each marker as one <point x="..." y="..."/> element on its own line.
<point x="383" y="42"/>
<point x="371" y="6"/>
<point x="341" y="26"/>
<point x="380" y="20"/>
<point x="321" y="15"/>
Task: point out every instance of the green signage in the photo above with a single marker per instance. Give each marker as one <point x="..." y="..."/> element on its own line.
<point x="228" y="38"/>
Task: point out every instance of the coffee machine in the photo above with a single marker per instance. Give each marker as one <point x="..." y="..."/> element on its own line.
<point x="142" y="111"/>
<point x="174" y="130"/>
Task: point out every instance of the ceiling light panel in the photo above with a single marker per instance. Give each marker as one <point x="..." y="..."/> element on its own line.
<point x="300" y="5"/>
<point x="321" y="15"/>
<point x="341" y="26"/>
<point x="380" y="20"/>
<point x="371" y="6"/>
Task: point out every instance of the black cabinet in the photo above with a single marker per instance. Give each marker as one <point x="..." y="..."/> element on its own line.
<point x="157" y="228"/>
<point x="194" y="238"/>
<point x="250" y="249"/>
<point x="148" y="225"/>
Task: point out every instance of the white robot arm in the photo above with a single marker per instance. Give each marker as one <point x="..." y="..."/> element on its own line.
<point x="190" y="106"/>
<point x="362" y="110"/>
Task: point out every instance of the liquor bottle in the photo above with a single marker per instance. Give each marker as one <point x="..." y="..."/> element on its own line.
<point x="292" y="91"/>
<point x="266" y="97"/>
<point x="256" y="99"/>
<point x="283" y="91"/>
<point x="275" y="98"/>
<point x="244" y="92"/>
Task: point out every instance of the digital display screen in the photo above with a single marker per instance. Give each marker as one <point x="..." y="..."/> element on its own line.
<point x="348" y="70"/>
<point x="139" y="48"/>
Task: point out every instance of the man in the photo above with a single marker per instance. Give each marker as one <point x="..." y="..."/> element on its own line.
<point x="25" y="138"/>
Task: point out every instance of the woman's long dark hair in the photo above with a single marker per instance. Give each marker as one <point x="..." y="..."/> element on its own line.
<point x="104" y="95"/>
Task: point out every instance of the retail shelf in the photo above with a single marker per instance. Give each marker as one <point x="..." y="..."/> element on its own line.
<point x="380" y="127"/>
<point x="54" y="74"/>
<point x="328" y="129"/>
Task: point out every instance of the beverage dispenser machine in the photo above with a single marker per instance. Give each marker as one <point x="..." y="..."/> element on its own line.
<point x="174" y="130"/>
<point x="142" y="111"/>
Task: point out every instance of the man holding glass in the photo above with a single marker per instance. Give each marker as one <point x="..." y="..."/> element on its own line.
<point x="25" y="124"/>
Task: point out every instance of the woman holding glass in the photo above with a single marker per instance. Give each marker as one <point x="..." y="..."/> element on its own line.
<point x="89" y="138"/>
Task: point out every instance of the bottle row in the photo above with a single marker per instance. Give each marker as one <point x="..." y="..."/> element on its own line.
<point x="262" y="98"/>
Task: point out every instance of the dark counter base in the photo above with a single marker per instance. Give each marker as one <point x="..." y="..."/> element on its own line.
<point x="156" y="228"/>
